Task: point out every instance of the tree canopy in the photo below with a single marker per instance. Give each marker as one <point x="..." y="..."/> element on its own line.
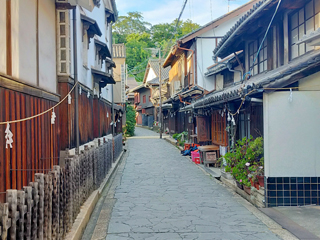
<point x="139" y="36"/>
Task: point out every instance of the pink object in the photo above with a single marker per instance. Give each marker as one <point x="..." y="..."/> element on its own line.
<point x="195" y="155"/>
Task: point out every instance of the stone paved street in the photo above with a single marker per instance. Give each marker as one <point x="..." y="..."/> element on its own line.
<point x="159" y="194"/>
<point x="162" y="195"/>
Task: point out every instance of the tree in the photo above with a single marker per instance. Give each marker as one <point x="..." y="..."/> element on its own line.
<point x="165" y="35"/>
<point x="126" y="25"/>
<point x="138" y="54"/>
<point x="130" y="120"/>
<point x="162" y="31"/>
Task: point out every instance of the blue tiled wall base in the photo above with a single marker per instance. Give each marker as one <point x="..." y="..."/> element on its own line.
<point x="292" y="191"/>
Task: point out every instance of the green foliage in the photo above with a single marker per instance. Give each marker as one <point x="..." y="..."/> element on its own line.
<point x="126" y="25"/>
<point x="227" y="168"/>
<point x="138" y="53"/>
<point x="175" y="136"/>
<point x="139" y="35"/>
<point x="246" y="159"/>
<point x="131" y="120"/>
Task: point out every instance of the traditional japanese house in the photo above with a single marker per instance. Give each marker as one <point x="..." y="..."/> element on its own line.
<point x="38" y="67"/>
<point x="142" y="101"/>
<point x="151" y="80"/>
<point x="278" y="94"/>
<point x="189" y="59"/>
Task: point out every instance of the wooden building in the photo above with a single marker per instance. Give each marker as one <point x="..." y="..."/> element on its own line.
<point x="37" y="71"/>
<point x="277" y="96"/>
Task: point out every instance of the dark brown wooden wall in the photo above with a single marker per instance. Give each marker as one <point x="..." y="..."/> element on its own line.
<point x="93" y="121"/>
<point x="35" y="147"/>
<point x="101" y="121"/>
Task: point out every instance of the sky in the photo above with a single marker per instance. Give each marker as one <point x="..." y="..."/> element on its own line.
<point x="165" y="11"/>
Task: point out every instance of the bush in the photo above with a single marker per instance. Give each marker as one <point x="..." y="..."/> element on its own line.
<point x="131" y="121"/>
<point x="246" y="160"/>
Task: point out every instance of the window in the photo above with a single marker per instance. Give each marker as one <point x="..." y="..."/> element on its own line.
<point x="244" y="125"/>
<point x="301" y="22"/>
<point x="219" y="134"/>
<point x="228" y="78"/>
<point x="149" y="98"/>
<point x="85" y="47"/>
<point x="260" y="64"/>
<point x="63" y="42"/>
<point x="144" y="99"/>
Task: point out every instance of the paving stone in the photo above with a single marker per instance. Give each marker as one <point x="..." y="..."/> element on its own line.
<point x="162" y="195"/>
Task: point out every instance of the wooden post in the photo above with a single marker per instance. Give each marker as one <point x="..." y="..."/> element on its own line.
<point x="4" y="220"/>
<point x="29" y="203"/>
<point x="34" y="219"/>
<point x="13" y="214"/>
<point x="22" y="208"/>
<point x="39" y="178"/>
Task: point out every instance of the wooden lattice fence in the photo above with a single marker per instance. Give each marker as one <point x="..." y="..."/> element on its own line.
<point x="47" y="208"/>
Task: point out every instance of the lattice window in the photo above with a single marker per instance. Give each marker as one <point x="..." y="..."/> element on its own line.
<point x="63" y="42"/>
<point x="123" y="84"/>
<point x="301" y="22"/>
<point x="260" y="65"/>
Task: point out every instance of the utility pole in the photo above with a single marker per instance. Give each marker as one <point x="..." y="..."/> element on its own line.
<point x="160" y="100"/>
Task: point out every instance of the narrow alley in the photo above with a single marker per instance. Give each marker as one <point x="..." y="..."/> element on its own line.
<point x="159" y="194"/>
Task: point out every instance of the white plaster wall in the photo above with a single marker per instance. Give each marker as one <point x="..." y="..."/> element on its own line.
<point x="24" y="40"/>
<point x="204" y="59"/>
<point x="311" y="82"/>
<point x="47" y="46"/>
<point x="291" y="131"/>
<point x="3" y="41"/>
<point x="205" y="49"/>
<point x="219" y="82"/>
<point x="151" y="75"/>
<point x="237" y="76"/>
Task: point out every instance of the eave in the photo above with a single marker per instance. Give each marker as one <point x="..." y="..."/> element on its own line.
<point x="103" y="48"/>
<point x="283" y="76"/>
<point x="255" y="20"/>
<point x="102" y="78"/>
<point x="93" y="27"/>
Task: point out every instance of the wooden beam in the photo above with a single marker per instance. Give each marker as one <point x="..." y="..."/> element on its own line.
<point x="8" y="37"/>
<point x="13" y="84"/>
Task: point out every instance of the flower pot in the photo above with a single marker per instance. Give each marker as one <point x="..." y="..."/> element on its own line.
<point x="247" y="189"/>
<point x="252" y="183"/>
<point x="226" y="175"/>
<point x="261" y="180"/>
<point x="257" y="186"/>
<point x="239" y="185"/>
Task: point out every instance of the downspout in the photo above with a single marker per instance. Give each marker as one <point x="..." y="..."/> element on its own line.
<point x="75" y="64"/>
<point x="228" y="65"/>
<point x="112" y="109"/>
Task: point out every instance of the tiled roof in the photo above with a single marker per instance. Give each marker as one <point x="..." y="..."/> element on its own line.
<point x="242" y="20"/>
<point x="276" y="78"/>
<point x="154" y="81"/>
<point x="154" y="64"/>
<point x="119" y="50"/>
<point x="132" y="83"/>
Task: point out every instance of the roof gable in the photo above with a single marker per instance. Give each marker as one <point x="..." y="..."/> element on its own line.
<point x="153" y="64"/>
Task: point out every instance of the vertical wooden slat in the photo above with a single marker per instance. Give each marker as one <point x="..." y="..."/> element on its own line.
<point x="2" y="143"/>
<point x="42" y="136"/>
<point x="24" y="141"/>
<point x="19" y="142"/>
<point x="35" y="147"/>
<point x="29" y="160"/>
<point x="14" y="144"/>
